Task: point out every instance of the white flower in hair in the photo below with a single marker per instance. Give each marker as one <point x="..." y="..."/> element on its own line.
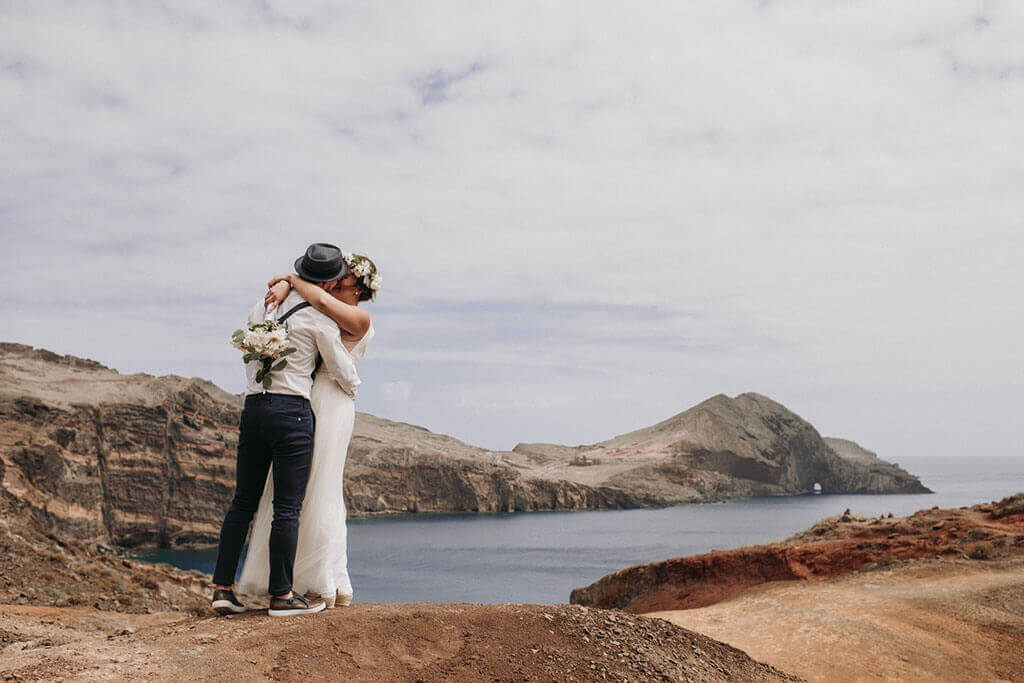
<point x="362" y="268"/>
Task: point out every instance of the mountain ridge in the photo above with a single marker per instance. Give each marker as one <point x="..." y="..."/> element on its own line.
<point x="138" y="459"/>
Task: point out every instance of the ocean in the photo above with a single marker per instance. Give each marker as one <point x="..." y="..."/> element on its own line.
<point x="539" y="557"/>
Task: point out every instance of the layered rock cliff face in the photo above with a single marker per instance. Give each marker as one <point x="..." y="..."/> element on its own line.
<point x="134" y="459"/>
<point x="123" y="459"/>
<point x="131" y="459"/>
<point x="396" y="467"/>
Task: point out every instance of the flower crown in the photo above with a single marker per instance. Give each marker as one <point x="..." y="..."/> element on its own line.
<point x="362" y="267"/>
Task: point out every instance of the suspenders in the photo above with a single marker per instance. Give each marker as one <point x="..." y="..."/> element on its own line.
<point x="299" y="307"/>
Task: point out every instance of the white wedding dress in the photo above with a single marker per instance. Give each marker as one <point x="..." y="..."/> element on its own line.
<point x="321" y="556"/>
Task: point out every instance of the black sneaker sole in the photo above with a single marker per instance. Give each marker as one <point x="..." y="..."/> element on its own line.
<point x="293" y="611"/>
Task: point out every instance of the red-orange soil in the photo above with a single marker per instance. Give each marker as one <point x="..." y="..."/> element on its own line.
<point x="919" y="620"/>
<point x="76" y="611"/>
<point x="833" y="547"/>
<point x="411" y="642"/>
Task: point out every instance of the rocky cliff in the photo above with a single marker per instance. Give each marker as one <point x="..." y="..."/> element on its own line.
<point x="832" y="547"/>
<point x="122" y="459"/>
<point x="132" y="459"/>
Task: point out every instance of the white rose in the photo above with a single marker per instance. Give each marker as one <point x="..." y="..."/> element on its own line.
<point x="259" y="339"/>
<point x="375" y="283"/>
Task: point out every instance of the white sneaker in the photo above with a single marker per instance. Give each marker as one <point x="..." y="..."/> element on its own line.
<point x="225" y="602"/>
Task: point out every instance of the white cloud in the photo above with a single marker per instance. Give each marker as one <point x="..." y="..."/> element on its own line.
<point x="398" y="392"/>
<point x="618" y="209"/>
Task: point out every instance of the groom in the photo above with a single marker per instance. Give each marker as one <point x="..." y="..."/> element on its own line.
<point x="276" y="433"/>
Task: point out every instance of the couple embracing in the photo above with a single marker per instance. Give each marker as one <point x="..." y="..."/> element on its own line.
<point x="293" y="438"/>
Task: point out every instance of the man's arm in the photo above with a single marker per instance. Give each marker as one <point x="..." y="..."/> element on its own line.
<point x="338" y="362"/>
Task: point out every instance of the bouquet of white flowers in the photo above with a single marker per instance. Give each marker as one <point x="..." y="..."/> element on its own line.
<point x="266" y="342"/>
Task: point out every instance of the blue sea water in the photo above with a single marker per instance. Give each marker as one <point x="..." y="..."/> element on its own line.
<point x="539" y="557"/>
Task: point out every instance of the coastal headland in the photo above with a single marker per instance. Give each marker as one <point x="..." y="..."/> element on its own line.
<point x="93" y="462"/>
<point x="81" y="612"/>
<point x="130" y="460"/>
<point x="937" y="595"/>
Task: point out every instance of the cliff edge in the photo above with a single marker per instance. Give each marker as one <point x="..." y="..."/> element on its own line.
<point x="832" y="547"/>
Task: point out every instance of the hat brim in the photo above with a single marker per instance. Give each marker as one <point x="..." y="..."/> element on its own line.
<point x="306" y="275"/>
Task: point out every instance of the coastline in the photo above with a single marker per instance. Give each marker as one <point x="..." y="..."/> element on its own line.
<point x="47" y="637"/>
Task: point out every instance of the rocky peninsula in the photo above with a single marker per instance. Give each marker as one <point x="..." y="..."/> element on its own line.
<point x="125" y="460"/>
<point x="937" y="595"/>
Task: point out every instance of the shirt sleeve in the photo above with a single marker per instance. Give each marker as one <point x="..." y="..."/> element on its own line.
<point x="257" y="313"/>
<point x="338" y="361"/>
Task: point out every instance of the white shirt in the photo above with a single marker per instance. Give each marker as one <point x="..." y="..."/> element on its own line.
<point x="311" y="333"/>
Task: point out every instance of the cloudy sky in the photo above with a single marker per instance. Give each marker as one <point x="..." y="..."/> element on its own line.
<point x="588" y="216"/>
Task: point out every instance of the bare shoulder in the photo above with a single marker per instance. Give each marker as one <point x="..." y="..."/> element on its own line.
<point x="361" y="334"/>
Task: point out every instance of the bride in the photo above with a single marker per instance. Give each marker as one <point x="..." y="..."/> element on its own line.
<point x="321" y="562"/>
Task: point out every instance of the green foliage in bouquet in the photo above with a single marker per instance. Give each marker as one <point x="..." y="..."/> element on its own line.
<point x="265" y="342"/>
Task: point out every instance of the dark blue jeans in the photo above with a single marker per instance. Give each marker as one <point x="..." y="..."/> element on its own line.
<point x="275" y="432"/>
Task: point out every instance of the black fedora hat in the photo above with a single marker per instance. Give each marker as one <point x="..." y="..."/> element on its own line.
<point x="322" y="262"/>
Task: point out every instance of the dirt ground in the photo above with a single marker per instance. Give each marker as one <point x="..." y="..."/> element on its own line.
<point x="378" y="642"/>
<point x="924" y="620"/>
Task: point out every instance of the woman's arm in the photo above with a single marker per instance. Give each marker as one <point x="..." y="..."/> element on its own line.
<point x="277" y="292"/>
<point x="352" y="320"/>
